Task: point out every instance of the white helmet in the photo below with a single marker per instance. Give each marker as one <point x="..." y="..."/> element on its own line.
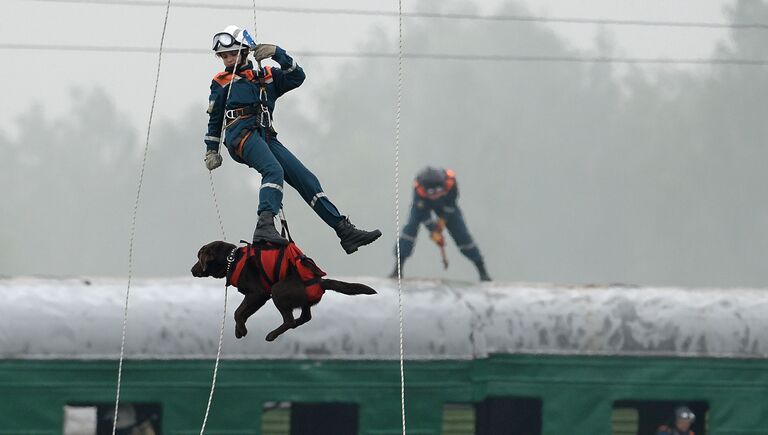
<point x="232" y="38"/>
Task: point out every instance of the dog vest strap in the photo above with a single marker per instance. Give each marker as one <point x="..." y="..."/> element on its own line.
<point x="313" y="281"/>
<point x="240" y="263"/>
<point x="261" y="272"/>
<point x="278" y="264"/>
<point x="285" y="231"/>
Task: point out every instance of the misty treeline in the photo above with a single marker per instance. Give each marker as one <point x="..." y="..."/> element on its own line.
<point x="568" y="172"/>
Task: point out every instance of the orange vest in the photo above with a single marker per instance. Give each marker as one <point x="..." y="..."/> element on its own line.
<point x="450" y="182"/>
<point x="273" y="264"/>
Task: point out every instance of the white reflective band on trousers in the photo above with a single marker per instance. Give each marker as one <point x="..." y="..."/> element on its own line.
<point x="212" y="138"/>
<point x="272" y="186"/>
<point x="316" y="197"/>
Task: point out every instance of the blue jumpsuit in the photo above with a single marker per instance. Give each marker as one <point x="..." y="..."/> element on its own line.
<point x="444" y="207"/>
<point x="258" y="147"/>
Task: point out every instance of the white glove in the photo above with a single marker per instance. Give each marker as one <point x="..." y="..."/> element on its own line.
<point x="212" y="159"/>
<point x="264" y="51"/>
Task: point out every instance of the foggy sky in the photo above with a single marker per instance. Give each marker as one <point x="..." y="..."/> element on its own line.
<point x="567" y="172"/>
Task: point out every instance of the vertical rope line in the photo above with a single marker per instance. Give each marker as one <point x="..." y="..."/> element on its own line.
<point x="223" y="316"/>
<point x="221" y="138"/>
<point x="218" y="353"/>
<point x="226" y="287"/>
<point x="397" y="202"/>
<point x="216" y="206"/>
<point x="133" y="219"/>
<point x="255" y="31"/>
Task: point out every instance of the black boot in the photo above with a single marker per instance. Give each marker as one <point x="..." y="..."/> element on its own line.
<point x="265" y="230"/>
<point x="483" y="273"/>
<point x="352" y="238"/>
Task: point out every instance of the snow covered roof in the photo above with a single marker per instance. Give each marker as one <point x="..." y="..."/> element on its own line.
<point x="181" y="318"/>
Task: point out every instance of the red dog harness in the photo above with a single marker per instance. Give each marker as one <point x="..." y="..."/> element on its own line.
<point x="273" y="263"/>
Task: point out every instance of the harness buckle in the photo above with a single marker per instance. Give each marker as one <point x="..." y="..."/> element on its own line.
<point x="230" y="114"/>
<point x="265" y="115"/>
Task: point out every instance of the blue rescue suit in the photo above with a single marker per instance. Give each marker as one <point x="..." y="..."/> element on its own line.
<point x="444" y="206"/>
<point x="250" y="139"/>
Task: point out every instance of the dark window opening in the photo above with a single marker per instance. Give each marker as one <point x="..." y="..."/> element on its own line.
<point x="324" y="418"/>
<point x="300" y="418"/>
<point x="635" y="417"/>
<point x="508" y="416"/>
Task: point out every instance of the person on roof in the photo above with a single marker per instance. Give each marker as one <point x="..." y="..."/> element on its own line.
<point x="436" y="192"/>
<point x="241" y="103"/>
<point x="684" y="418"/>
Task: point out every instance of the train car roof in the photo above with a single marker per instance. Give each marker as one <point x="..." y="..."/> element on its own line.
<point x="45" y="318"/>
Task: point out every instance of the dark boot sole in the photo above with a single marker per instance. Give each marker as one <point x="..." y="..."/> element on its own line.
<point x="367" y="241"/>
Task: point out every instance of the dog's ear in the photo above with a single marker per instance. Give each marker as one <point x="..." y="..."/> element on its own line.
<point x="204" y="257"/>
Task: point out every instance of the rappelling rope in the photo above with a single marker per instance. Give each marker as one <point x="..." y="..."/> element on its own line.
<point x="397" y="201"/>
<point x="223" y="234"/>
<point x="133" y="219"/>
<point x="221" y="341"/>
<point x="221" y="225"/>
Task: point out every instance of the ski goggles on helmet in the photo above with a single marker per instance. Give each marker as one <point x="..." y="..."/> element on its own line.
<point x="686" y="415"/>
<point x="224" y="41"/>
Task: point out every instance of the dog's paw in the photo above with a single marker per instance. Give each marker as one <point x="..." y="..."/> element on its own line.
<point x="240" y="331"/>
<point x="271" y="336"/>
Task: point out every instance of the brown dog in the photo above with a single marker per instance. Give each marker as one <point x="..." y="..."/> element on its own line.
<point x="289" y="291"/>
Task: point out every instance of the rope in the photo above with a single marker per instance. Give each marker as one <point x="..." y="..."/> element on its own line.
<point x="218" y="352"/>
<point x="448" y="57"/>
<point x="441" y="15"/>
<point x="255" y="30"/>
<point x="223" y="316"/>
<point x="397" y="202"/>
<point x="133" y="219"/>
<point x="216" y="206"/>
<point x="221" y="225"/>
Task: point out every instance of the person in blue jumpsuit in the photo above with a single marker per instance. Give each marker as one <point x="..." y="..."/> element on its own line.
<point x="684" y="418"/>
<point x="241" y="105"/>
<point x="436" y="192"/>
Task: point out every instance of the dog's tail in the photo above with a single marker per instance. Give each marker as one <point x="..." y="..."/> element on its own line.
<point x="347" y="288"/>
